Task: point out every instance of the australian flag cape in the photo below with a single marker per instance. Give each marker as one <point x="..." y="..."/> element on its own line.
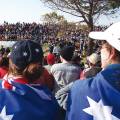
<point x="25" y="102"/>
<point x="96" y="98"/>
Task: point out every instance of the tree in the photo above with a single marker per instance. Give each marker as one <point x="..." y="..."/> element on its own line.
<point x="88" y="10"/>
<point x="53" y="18"/>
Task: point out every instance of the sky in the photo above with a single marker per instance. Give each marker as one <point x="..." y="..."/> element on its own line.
<point x="30" y="11"/>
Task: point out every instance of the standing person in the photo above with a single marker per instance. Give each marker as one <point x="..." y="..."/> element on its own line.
<point x="50" y="61"/>
<point x="98" y="98"/>
<point x="64" y="73"/>
<point x="19" y="99"/>
<point x="2" y="49"/>
<point x="56" y="50"/>
<point x="93" y="66"/>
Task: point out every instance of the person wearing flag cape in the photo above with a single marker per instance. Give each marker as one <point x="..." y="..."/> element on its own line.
<point x="98" y="98"/>
<point x="19" y="99"/>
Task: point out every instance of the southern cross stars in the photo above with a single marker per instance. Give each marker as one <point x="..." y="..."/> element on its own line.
<point x="37" y="50"/>
<point x="25" y="53"/>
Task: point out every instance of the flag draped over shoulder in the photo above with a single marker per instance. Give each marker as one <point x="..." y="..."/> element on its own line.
<point x="25" y="102"/>
<point x="96" y="98"/>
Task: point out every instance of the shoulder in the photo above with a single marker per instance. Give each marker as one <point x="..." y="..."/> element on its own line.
<point x="87" y="86"/>
<point x="56" y="66"/>
<point x="83" y="83"/>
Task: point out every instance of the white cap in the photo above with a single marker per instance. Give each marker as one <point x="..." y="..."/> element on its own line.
<point x="111" y="35"/>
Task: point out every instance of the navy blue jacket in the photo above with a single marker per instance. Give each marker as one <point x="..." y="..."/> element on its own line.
<point x="96" y="98"/>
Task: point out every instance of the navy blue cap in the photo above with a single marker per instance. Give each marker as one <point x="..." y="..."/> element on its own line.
<point x="25" y="52"/>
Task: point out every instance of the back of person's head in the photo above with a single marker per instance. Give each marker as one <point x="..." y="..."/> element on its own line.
<point x="94" y="58"/>
<point x="7" y="50"/>
<point x="50" y="59"/>
<point x="26" y="59"/>
<point x="4" y="62"/>
<point x="67" y="52"/>
<point x="110" y="51"/>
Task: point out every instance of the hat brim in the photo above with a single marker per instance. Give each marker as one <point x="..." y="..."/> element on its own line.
<point x="112" y="40"/>
<point x="98" y="35"/>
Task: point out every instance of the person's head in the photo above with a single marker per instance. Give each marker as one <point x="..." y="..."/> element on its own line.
<point x="4" y="62"/>
<point x="109" y="55"/>
<point x="7" y="50"/>
<point x="67" y="53"/>
<point x="110" y="50"/>
<point x="26" y="59"/>
<point x="93" y="59"/>
<point x="50" y="59"/>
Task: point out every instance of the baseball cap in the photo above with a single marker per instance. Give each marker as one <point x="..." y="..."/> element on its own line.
<point x="111" y="35"/>
<point x="25" y="52"/>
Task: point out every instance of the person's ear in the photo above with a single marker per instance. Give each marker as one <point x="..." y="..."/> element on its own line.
<point x="112" y="53"/>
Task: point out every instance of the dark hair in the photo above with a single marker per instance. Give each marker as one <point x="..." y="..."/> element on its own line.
<point x="33" y="71"/>
<point x="67" y="52"/>
<point x="4" y="62"/>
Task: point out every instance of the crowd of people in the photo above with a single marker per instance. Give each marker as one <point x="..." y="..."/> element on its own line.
<point x="62" y="85"/>
<point x="42" y="32"/>
<point x="20" y="31"/>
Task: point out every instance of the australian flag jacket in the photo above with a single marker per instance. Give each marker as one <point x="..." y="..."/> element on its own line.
<point x="96" y="98"/>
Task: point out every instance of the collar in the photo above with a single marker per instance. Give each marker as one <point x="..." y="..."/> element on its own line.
<point x="113" y="66"/>
<point x="7" y="83"/>
<point x="21" y="80"/>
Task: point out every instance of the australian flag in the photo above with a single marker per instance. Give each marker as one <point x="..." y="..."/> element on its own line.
<point x="25" y="102"/>
<point x="96" y="98"/>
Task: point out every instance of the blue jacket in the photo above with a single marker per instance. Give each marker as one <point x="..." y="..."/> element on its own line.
<point x="96" y="98"/>
<point x="26" y="102"/>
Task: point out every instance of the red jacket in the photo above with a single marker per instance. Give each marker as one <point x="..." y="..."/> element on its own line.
<point x="3" y="71"/>
<point x="46" y="79"/>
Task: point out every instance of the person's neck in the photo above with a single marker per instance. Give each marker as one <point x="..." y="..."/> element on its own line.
<point x="64" y="61"/>
<point x="112" y="62"/>
<point x="115" y="62"/>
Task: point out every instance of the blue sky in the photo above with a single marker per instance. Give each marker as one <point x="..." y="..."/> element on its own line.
<point x="14" y="11"/>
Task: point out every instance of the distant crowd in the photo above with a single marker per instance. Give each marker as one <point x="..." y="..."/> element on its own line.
<point x="64" y="84"/>
<point x="42" y="32"/>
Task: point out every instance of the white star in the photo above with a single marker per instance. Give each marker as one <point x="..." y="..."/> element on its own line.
<point x="25" y="54"/>
<point x="15" y="47"/>
<point x="37" y="50"/>
<point x="99" y="111"/>
<point x="3" y="115"/>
